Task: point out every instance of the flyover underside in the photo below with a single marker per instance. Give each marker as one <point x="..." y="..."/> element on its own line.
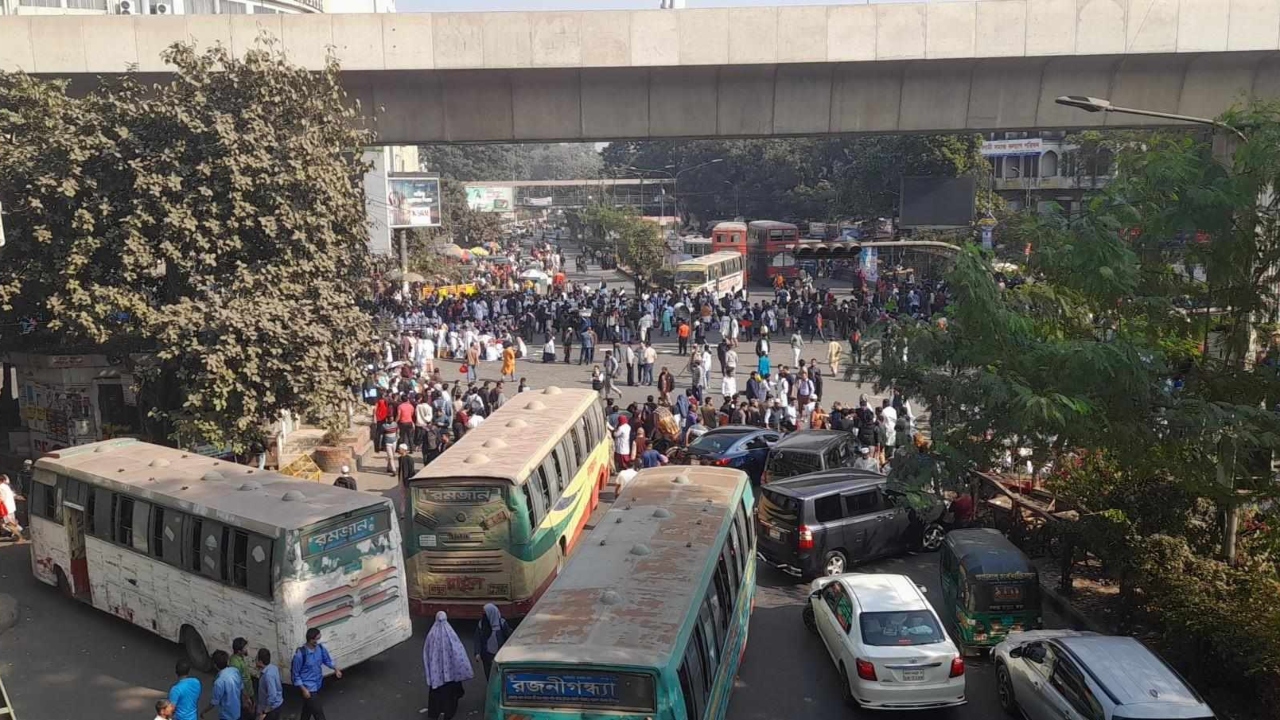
<point x="599" y="104"/>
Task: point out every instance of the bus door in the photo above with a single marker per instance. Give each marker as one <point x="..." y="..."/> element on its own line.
<point x="73" y="522"/>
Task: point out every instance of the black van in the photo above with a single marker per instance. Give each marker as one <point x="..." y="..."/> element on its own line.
<point x="825" y="522"/>
<point x="809" y="451"/>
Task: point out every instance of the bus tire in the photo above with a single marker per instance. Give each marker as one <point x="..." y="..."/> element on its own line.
<point x="64" y="586"/>
<point x="197" y="652"/>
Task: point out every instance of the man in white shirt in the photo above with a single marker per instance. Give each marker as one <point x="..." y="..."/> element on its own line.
<point x="9" y="500"/>
<point x="164" y="710"/>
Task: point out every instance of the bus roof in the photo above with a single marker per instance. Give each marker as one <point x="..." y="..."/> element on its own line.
<point x="711" y="259"/>
<point x="730" y="227"/>
<point x="771" y="225"/>
<point x="258" y="500"/>
<point x="511" y="442"/>
<point x="624" y="596"/>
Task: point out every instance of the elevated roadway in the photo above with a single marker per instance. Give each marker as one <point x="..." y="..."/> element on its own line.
<point x="724" y="72"/>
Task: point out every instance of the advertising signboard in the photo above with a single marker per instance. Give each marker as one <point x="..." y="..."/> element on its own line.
<point x="413" y="201"/>
<point x="489" y="198"/>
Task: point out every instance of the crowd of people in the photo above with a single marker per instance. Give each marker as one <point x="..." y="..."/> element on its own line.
<point x="251" y="689"/>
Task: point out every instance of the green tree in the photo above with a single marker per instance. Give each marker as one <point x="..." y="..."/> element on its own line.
<point x="211" y="229"/>
<point x="553" y="161"/>
<point x="798" y="178"/>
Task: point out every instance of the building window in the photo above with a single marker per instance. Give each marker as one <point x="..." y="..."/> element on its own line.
<point x="234" y="8"/>
<point x="259" y="10"/>
<point x="201" y="7"/>
<point x="1049" y="164"/>
<point x="88" y="4"/>
<point x="41" y="3"/>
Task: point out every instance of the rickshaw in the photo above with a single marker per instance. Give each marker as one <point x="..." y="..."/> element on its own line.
<point x="989" y="588"/>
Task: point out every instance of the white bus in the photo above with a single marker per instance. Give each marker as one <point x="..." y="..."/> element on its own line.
<point x="719" y="273"/>
<point x="201" y="551"/>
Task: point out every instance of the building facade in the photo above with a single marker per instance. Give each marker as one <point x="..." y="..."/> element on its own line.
<point x="191" y="7"/>
<point x="1044" y="170"/>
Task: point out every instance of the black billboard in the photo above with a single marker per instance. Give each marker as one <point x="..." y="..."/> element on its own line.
<point x="937" y="201"/>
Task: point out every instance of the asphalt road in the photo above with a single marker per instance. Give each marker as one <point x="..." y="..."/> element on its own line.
<point x="64" y="660"/>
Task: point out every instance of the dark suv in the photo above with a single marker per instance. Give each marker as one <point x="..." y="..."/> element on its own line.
<point x="809" y="451"/>
<point x="824" y="522"/>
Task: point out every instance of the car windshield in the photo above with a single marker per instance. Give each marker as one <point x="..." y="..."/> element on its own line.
<point x="716" y="442"/>
<point x="787" y="463"/>
<point x="913" y="627"/>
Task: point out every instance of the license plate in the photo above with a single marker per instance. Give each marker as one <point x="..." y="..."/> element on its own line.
<point x="912" y="676"/>
<point x="775" y="533"/>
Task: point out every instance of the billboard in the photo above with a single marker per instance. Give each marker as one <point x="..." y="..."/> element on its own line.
<point x="413" y="201"/>
<point x="488" y="198"/>
<point x="937" y="202"/>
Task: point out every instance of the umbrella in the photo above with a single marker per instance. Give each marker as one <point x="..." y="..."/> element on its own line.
<point x="532" y="274"/>
<point x="450" y="250"/>
<point x="479" y="251"/>
<point x="397" y="276"/>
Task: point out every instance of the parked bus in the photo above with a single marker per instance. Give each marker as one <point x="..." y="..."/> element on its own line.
<point x="768" y="244"/>
<point x="650" y="618"/>
<point x="729" y="236"/>
<point x="201" y="551"/>
<point x="718" y="273"/>
<point x="496" y="514"/>
<point x="695" y="246"/>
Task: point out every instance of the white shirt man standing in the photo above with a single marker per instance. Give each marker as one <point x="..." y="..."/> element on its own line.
<point x="9" y="501"/>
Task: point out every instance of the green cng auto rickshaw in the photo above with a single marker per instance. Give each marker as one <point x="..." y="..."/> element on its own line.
<point x="989" y="588"/>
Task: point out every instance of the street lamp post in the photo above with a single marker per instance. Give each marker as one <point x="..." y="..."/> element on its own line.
<point x="1223" y="477"/>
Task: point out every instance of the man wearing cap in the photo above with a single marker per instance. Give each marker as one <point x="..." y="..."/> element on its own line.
<point x="865" y="461"/>
<point x="345" y="480"/>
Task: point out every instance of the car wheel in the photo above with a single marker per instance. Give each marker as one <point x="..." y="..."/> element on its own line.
<point x="934" y="535"/>
<point x="846" y="692"/>
<point x="810" y="622"/>
<point x="1004" y="692"/>
<point x="834" y="563"/>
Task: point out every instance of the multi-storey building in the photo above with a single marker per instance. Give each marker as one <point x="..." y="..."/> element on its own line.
<point x="1039" y="170"/>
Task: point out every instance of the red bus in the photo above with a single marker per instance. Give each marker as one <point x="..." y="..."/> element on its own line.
<point x="767" y="246"/>
<point x="729" y="236"/>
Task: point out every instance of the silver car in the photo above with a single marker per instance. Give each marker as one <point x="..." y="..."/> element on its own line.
<point x="1070" y="675"/>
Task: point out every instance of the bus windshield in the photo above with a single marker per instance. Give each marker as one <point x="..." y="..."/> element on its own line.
<point x="460" y="516"/>
<point x="691" y="276"/>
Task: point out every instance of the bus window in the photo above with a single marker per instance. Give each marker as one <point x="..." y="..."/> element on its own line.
<point x="210" y="549"/>
<point x="577" y="444"/>
<point x="76" y="492"/>
<point x="711" y="631"/>
<point x="570" y="463"/>
<point x="104" y="506"/>
<point x="138" y="525"/>
<point x="123" y="518"/>
<point x="259" y="565"/>
<point x="90" y="505"/>
<point x="543" y="487"/>
<point x="724" y="591"/>
<point x="170" y="536"/>
<point x="691" y="683"/>
<point x="240" y="559"/>
<point x="535" y="512"/>
<point x="732" y="575"/>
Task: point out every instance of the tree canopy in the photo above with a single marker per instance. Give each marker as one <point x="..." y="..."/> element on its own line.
<point x="554" y="161"/>
<point x="798" y="178"/>
<point x="209" y="229"/>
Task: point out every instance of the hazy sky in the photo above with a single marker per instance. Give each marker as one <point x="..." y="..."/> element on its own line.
<point x="498" y="5"/>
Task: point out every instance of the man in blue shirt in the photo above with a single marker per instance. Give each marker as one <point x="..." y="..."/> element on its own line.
<point x="307" y="671"/>
<point x="270" y="692"/>
<point x="228" y="689"/>
<point x="185" y="693"/>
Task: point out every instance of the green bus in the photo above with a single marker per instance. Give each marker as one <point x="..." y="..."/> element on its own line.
<point x="649" y="619"/>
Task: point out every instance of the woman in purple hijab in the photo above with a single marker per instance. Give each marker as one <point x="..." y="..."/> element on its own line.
<point x="447" y="666"/>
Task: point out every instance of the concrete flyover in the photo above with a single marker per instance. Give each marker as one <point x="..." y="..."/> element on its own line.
<point x="725" y="72"/>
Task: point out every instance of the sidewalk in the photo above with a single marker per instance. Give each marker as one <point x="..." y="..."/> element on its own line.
<point x="1050" y="578"/>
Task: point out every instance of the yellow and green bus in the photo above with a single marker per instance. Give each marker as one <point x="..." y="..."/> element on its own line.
<point x="493" y="518"/>
<point x="649" y="620"/>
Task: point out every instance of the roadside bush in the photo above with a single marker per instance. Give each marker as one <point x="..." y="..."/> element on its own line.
<point x="1219" y="625"/>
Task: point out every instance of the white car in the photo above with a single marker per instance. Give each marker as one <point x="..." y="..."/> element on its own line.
<point x="887" y="642"/>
